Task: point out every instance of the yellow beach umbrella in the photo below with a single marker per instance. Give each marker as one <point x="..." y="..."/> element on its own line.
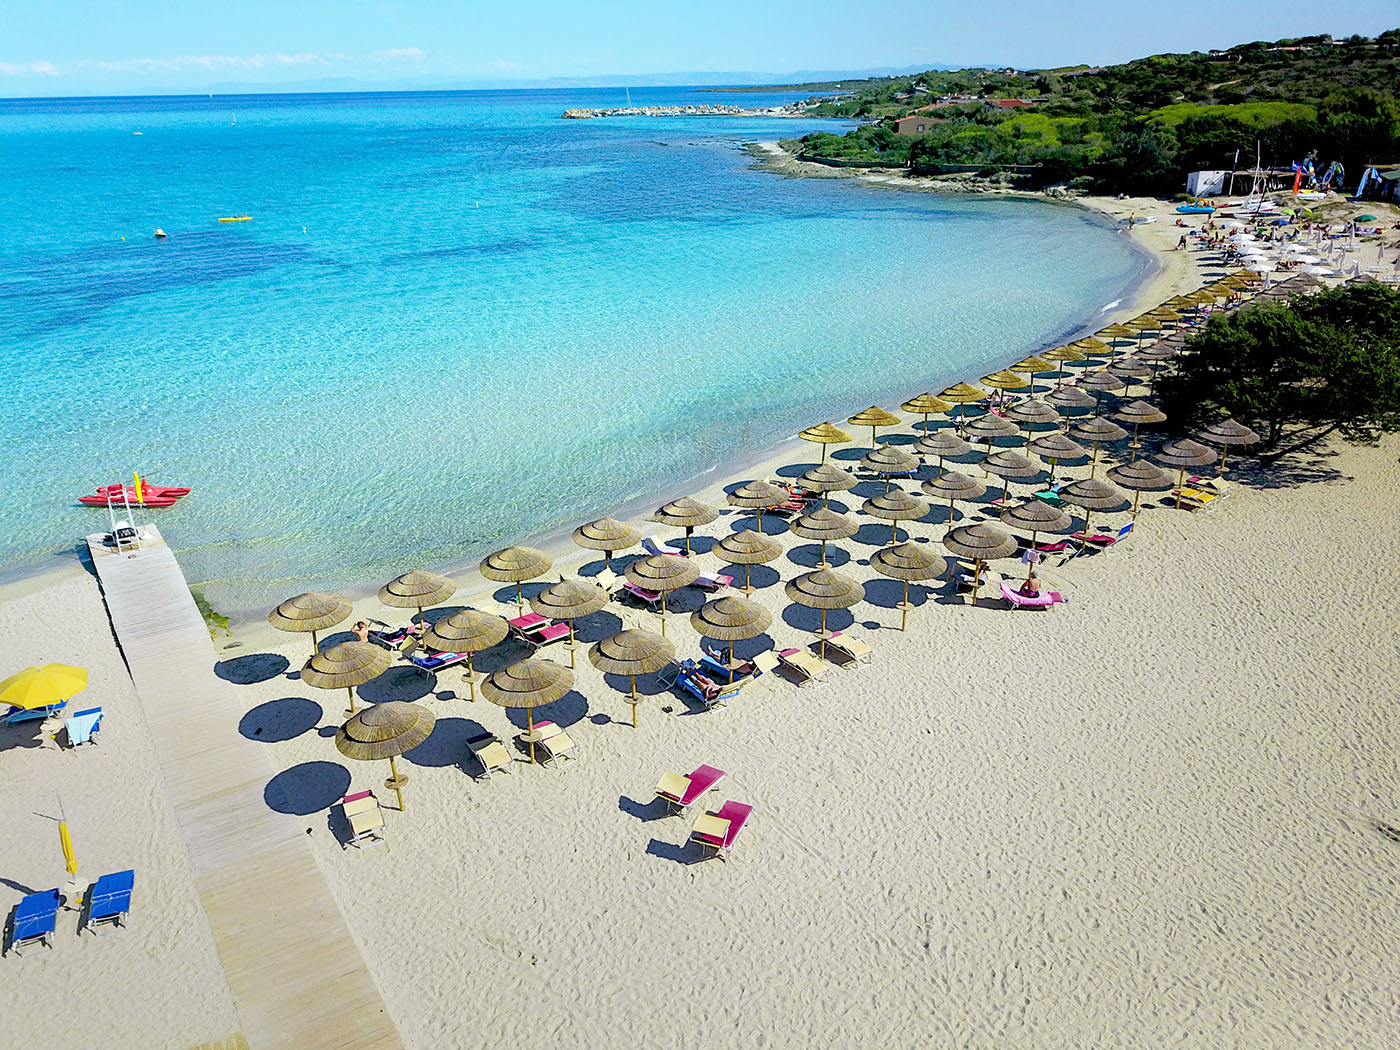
<point x="1033" y="365"/>
<point x="1063" y="354"/>
<point x="926" y="405"/>
<point x="1005" y="380"/>
<point x="42" y="686"/>
<point x="825" y="434"/>
<point x="65" y="842"/>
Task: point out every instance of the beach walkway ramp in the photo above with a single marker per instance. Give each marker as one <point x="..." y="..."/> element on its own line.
<point x="297" y="977"/>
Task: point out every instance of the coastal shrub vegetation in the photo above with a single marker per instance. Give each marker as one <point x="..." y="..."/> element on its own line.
<point x="1295" y="372"/>
<point x="1140" y="126"/>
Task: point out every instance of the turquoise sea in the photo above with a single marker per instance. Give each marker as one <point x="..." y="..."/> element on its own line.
<point x="455" y="321"/>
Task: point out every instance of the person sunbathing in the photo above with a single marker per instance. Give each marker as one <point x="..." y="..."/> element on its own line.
<point x="362" y="631"/>
<point x="1031" y="588"/>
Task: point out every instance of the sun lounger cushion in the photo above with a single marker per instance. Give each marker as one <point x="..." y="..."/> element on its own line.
<point x="34" y="919"/>
<point x="655" y="545"/>
<point x="437" y="661"/>
<point x="804" y="664"/>
<point x="547" y="635"/>
<point x="718" y="830"/>
<point x="490" y="753"/>
<point x="1043" y="600"/>
<point x="713" y="581"/>
<point x="857" y="650"/>
<point x="555" y="743"/>
<point x="109" y="899"/>
<point x="83" y="726"/>
<point x="34" y="714"/>
<point x="650" y="597"/>
<point x="683" y="792"/>
<point x="364" y="816"/>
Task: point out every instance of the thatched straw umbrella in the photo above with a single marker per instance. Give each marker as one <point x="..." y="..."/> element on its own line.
<point x="1225" y="434"/>
<point x="982" y="542"/>
<point x="417" y="589"/>
<point x="963" y="394"/>
<point x="569" y="600"/>
<point x="758" y="496"/>
<point x="825" y="434"/>
<point x="1089" y="495"/>
<point x="824" y="589"/>
<point x="909" y="563"/>
<point x="953" y="486"/>
<point x="1008" y="464"/>
<point x="1091" y="346"/>
<point x="890" y="459"/>
<point x="1100" y="381"/>
<point x="662" y="573"/>
<point x="873" y="417"/>
<point x="747" y="548"/>
<point x="1063" y="354"/>
<point x="632" y="653"/>
<point x="1097" y="432"/>
<point x="468" y="631"/>
<point x="1138" y="413"/>
<point x="309" y="613"/>
<point x="1033" y="366"/>
<point x="925" y="405"/>
<point x="990" y="427"/>
<point x="385" y="731"/>
<point x="1140" y="476"/>
<point x="895" y="506"/>
<point x="686" y="513"/>
<point x="528" y="684"/>
<point x="824" y="524"/>
<point x="1070" y="399"/>
<point x="1034" y="413"/>
<point x="1181" y="455"/>
<point x="731" y="619"/>
<point x="607" y="535"/>
<point x="942" y="444"/>
<point x="515" y="564"/>
<point x="828" y="478"/>
<point x="345" y="666"/>
<point x="1006" y="380"/>
<point x="1036" y="516"/>
<point x="1055" y="446"/>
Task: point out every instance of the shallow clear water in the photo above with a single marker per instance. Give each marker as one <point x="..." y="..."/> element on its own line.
<point x="456" y="321"/>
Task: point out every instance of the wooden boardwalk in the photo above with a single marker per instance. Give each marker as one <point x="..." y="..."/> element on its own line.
<point x="297" y="976"/>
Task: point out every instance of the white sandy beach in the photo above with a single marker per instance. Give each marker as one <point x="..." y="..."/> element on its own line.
<point x="1163" y="814"/>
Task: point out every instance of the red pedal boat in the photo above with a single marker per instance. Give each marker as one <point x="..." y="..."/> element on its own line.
<point x="114" y="497"/>
<point x="147" y="489"/>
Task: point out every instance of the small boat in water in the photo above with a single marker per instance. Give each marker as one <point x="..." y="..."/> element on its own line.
<point x="147" y="489"/>
<point x="235" y="218"/>
<point x="115" y="499"/>
<point x="160" y="234"/>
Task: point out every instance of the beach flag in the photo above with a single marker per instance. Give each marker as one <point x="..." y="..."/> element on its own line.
<point x="136" y="478"/>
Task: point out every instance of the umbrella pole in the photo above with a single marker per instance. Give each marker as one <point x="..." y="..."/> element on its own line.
<point x="1094" y="464"/>
<point x="688" y="530"/>
<point x="607" y="560"/>
<point x="1180" y="480"/>
<point x="422" y="621"/>
<point x="1084" y="542"/>
<point x="1136" y="496"/>
<point x="894" y="532"/>
<point x="731" y="652"/>
<point x="904" y="609"/>
<point x="823" y="634"/>
<point x="1030" y="565"/>
<point x="663" y="614"/>
<point x="823" y="562"/>
<point x="571" y="643"/>
<point x="976" y="582"/>
<point x="1133" y="447"/>
<point x="1005" y="484"/>
<point x="823" y="451"/>
<point x="530" y="722"/>
<point x="634" y="700"/>
<point x="950" y="518"/>
<point x="394" y="782"/>
<point x="1224" y="451"/>
<point x="872" y="439"/>
<point x="758" y="513"/>
<point x="314" y="647"/>
<point x="519" y="596"/>
<point x="351" y="691"/>
<point x="471" y="680"/>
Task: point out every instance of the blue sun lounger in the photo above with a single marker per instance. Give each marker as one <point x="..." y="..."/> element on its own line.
<point x="35" y="918"/>
<point x="83" y="726"/>
<point x="110" y="899"/>
<point x="20" y="714"/>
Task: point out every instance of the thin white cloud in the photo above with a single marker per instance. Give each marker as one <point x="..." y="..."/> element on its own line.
<point x="398" y="54"/>
<point x="271" y="60"/>
<point x="505" y="64"/>
<point x="23" y="69"/>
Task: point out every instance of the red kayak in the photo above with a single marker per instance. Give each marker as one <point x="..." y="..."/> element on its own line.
<point x="115" y="498"/>
<point x="158" y="491"/>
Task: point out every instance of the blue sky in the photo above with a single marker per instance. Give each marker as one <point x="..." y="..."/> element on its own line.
<point x="135" y="46"/>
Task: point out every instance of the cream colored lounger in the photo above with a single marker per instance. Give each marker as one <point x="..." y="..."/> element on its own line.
<point x="803" y="664"/>
<point x="490" y="753"/>
<point x="365" y="817"/>
<point x="854" y="650"/>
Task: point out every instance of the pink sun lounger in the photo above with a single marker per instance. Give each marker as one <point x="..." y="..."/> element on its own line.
<point x="681" y="792"/>
<point x="1043" y="600"/>
<point x="717" y="831"/>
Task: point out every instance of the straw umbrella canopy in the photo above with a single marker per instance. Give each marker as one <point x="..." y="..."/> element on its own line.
<point x="1033" y="366"/>
<point x="1100" y="382"/>
<point x="309" y="613"/>
<point x="686" y="513"/>
<point x="1091" y="494"/>
<point x="1140" y="475"/>
<point x="890" y="459"/>
<point x="963" y="394"/>
<point x="661" y="573"/>
<point x="747" y="548"/>
<point x="569" y="600"/>
<point x="529" y="684"/>
<point x="469" y="631"/>
<point x="895" y="506"/>
<point x="1008" y="464"/>
<point x="1070" y="399"/>
<point x="953" y="486"/>
<point x="1055" y="446"/>
<point x="824" y="524"/>
<point x="1063" y="354"/>
<point x="1182" y="454"/>
<point x="943" y="443"/>
<point x="1036" y="516"/>
<point x="417" y="589"/>
<point x="824" y="589"/>
<point x="925" y="405"/>
<point x="825" y="434"/>
<point x="607" y="535"/>
<point x="1097" y="432"/>
<point x="827" y="478"/>
<point x="758" y="496"/>
<point x="515" y="564"/>
<point x="1225" y="434"/>
<point x="990" y="427"/>
<point x="345" y="666"/>
<point x="1006" y="380"/>
<point x="731" y="619"/>
<point x="909" y="563"/>
<point x="632" y="652"/>
<point x="385" y="731"/>
<point x="1033" y="413"/>
<point x="873" y="417"/>
<point x="1091" y="346"/>
<point x="981" y="542"/>
<point x="1139" y="413"/>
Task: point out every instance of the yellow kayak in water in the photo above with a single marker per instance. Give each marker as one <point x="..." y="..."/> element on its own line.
<point x="236" y="218"/>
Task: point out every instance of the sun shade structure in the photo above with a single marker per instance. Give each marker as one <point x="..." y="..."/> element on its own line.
<point x="1033" y="365"/>
<point x="528" y="684"/>
<point x="989" y="427"/>
<point x="607" y="535"/>
<point x="1036" y="516"/>
<point x="895" y="506"/>
<point x="385" y="731"/>
<point x="758" y="496"/>
<point x="1006" y="380"/>
<point x="309" y="613"/>
<point x="1139" y="413"/>
<point x="42" y="686"/>
<point x="731" y="619"/>
<point x="1228" y="433"/>
<point x="981" y="542"/>
<point x="632" y="653"/>
<point x="909" y="563"/>
<point x="925" y="405"/>
<point x="1182" y="454"/>
<point x="1071" y="399"/>
<point x="942" y="443"/>
<point x="1008" y="464"/>
<point x="824" y="524"/>
<point x="1091" y="347"/>
<point x="1100" y="382"/>
<point x="1034" y="412"/>
<point x="1140" y="476"/>
<point x="569" y="600"/>
<point x="1055" y="446"/>
<point x="1097" y="432"/>
<point x="824" y="589"/>
<point x="1128" y="369"/>
<point x="747" y="548"/>
<point x="345" y="666"/>
<point x="1063" y="354"/>
<point x="661" y="574"/>
<point x="951" y="486"/>
<point x="890" y="459"/>
<point x="827" y="478"/>
<point x="468" y="631"/>
<point x="686" y="513"/>
<point x="417" y="589"/>
<point x="826" y="434"/>
<point x="1091" y="494"/>
<point x="873" y="417"/>
<point x="514" y="565"/>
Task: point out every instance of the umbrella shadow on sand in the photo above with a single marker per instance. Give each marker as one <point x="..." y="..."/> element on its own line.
<point x="252" y="668"/>
<point x="760" y="576"/>
<point x="446" y="744"/>
<point x="307" y="788"/>
<point x="279" y="720"/>
<point x="809" y="555"/>
<point x="398" y="683"/>
<point x="568" y="710"/>
<point x="801" y="618"/>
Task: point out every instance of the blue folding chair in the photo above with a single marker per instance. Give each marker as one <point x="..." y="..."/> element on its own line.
<point x="35" y="918"/>
<point x="83" y="726"/>
<point x="19" y="714"/>
<point x="110" y="899"/>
